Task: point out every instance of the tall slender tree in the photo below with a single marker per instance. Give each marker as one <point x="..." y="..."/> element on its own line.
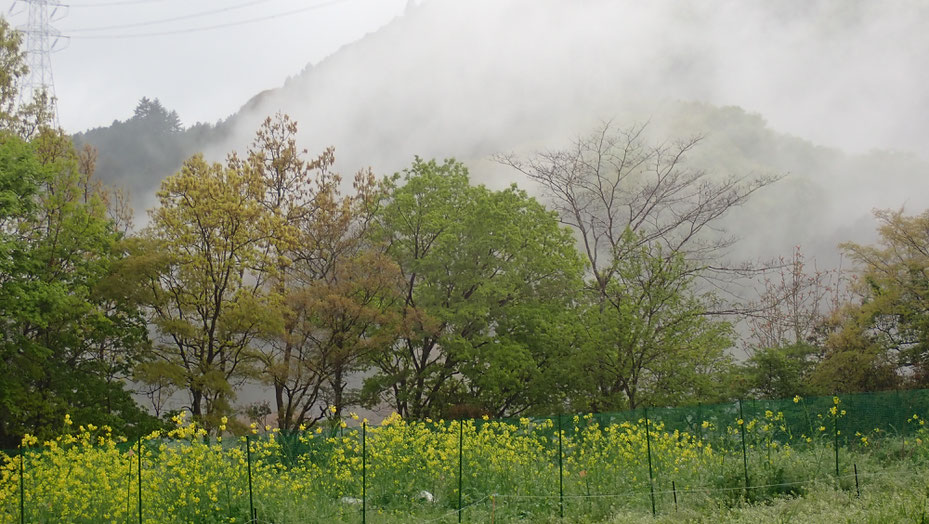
<point x="202" y="265"/>
<point x="335" y="289"/>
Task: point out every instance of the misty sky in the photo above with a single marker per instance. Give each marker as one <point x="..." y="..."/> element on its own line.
<point x="204" y="75"/>
<point x="842" y="73"/>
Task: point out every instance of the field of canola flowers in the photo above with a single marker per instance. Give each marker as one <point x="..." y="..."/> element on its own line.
<point x="583" y="468"/>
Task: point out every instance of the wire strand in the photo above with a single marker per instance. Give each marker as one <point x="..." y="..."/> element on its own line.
<point x="211" y="27"/>
<point x="116" y="3"/>
<point x="167" y="20"/>
<point x="456" y="510"/>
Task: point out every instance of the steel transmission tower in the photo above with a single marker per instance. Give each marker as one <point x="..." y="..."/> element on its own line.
<point x="41" y="41"/>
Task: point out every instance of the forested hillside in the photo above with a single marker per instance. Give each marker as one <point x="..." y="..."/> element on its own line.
<point x="443" y="238"/>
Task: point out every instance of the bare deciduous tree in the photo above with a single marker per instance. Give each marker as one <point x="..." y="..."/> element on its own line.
<point x="795" y="303"/>
<point x="614" y="181"/>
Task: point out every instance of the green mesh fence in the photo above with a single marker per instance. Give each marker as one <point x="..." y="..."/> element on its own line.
<point x="529" y="468"/>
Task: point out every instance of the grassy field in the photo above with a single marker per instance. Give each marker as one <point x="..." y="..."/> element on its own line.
<point x="586" y="468"/>
<point x="894" y="494"/>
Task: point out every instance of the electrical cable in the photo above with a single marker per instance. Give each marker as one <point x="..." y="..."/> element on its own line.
<point x="211" y="27"/>
<point x="116" y="3"/>
<point x="167" y="20"/>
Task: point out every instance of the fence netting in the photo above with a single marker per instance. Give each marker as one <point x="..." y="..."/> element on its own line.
<point x="655" y="459"/>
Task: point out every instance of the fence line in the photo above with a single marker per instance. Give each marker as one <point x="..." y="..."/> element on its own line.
<point x="792" y="422"/>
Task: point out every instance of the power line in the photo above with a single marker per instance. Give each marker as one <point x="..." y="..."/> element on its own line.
<point x="117" y="3"/>
<point x="172" y="19"/>
<point x="211" y="27"/>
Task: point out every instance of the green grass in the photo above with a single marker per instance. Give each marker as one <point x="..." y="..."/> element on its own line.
<point x="894" y="494"/>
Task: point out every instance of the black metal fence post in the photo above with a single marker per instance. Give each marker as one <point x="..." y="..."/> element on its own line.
<point x="364" y="467"/>
<point x="129" y="486"/>
<point x="252" y="517"/>
<point x="560" y="470"/>
<point x="744" y="452"/>
<point x="22" y="485"/>
<point x="140" y="479"/>
<point x="460" y="462"/>
<point x="835" y="433"/>
<point x="648" y="449"/>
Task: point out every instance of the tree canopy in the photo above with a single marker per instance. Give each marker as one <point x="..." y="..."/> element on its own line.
<point x="421" y="291"/>
<point x="474" y="262"/>
<point x="67" y="337"/>
<point x="882" y="340"/>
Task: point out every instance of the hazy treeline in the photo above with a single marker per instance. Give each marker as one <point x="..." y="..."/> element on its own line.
<point x="438" y="296"/>
<point x="825" y="198"/>
<point x="442" y="298"/>
<point x="139" y="152"/>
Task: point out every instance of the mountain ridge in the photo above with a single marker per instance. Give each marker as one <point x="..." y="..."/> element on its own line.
<point x="453" y="80"/>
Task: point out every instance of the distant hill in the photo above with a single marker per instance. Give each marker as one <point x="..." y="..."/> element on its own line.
<point x="469" y="79"/>
<point x="138" y="153"/>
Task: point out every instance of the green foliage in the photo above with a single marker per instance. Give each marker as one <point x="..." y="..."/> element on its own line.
<point x="882" y="341"/>
<point x="67" y="339"/>
<point x="12" y="69"/>
<point x="780" y="371"/>
<point x="479" y="266"/>
<point x="20" y="175"/>
<point x="648" y="339"/>
<point x="648" y="224"/>
<point x="65" y="336"/>
<point x="139" y="152"/>
<point x="200" y="272"/>
<point x="154" y="115"/>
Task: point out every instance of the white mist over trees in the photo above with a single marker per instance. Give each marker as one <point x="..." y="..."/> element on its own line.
<point x="459" y="326"/>
<point x="766" y="84"/>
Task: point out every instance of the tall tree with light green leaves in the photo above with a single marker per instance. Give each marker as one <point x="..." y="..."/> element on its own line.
<point x="201" y="267"/>
<point x="489" y="276"/>
<point x="881" y="339"/>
